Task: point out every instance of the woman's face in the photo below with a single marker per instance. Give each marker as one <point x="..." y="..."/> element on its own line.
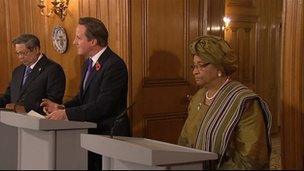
<point x="204" y="73"/>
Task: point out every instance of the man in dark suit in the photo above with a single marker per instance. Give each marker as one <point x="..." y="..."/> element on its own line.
<point x="103" y="89"/>
<point x="36" y="78"/>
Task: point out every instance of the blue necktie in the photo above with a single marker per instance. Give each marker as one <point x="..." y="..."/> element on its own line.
<point x="89" y="71"/>
<point x="27" y="72"/>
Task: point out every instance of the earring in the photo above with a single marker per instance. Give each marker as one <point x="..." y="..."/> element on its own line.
<point x="219" y="74"/>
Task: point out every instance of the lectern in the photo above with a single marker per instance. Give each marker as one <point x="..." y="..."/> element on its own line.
<point x="46" y="144"/>
<point x="130" y="153"/>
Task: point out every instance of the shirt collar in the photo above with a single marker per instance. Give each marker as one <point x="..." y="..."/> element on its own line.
<point x="33" y="65"/>
<point x="97" y="55"/>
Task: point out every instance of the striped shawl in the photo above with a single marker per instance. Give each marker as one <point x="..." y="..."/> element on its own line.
<point x="223" y="116"/>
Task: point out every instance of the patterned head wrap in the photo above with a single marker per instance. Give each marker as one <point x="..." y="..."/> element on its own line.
<point x="216" y="51"/>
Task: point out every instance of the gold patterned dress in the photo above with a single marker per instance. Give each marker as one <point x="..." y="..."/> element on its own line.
<point x="236" y="126"/>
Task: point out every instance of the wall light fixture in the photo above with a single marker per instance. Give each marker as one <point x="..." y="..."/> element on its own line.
<point x="59" y="7"/>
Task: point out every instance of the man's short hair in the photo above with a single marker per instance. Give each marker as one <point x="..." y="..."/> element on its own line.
<point x="30" y="41"/>
<point x="95" y="29"/>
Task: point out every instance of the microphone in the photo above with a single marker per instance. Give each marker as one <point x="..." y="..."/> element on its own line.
<point x="120" y="118"/>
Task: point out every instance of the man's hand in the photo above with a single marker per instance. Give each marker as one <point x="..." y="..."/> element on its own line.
<point x="10" y="106"/>
<point x="57" y="115"/>
<point x="49" y="106"/>
<point x="16" y="107"/>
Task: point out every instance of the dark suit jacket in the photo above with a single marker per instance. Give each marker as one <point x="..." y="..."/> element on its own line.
<point x="105" y="95"/>
<point x="47" y="80"/>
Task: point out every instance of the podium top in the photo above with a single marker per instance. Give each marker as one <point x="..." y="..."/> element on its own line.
<point x="143" y="151"/>
<point x="34" y="123"/>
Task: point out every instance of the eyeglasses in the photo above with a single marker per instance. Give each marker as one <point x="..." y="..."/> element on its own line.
<point x="23" y="53"/>
<point x="200" y="67"/>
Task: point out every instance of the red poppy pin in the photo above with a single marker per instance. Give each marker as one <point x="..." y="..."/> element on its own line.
<point x="97" y="66"/>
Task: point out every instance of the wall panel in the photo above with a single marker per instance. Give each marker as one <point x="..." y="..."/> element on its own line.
<point x="292" y="86"/>
<point x="161" y="74"/>
<point x="5" y="61"/>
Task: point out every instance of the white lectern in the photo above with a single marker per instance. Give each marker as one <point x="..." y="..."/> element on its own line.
<point x="8" y="147"/>
<point x="46" y="144"/>
<point x="129" y="153"/>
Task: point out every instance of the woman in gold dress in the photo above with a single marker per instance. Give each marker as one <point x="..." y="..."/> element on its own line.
<point x="224" y="116"/>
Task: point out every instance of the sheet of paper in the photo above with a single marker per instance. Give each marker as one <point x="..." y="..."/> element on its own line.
<point x="35" y="114"/>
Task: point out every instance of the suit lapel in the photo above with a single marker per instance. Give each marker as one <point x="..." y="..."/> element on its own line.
<point x="90" y="78"/>
<point x="83" y="76"/>
<point x="39" y="67"/>
<point x="100" y="61"/>
<point x="18" y="83"/>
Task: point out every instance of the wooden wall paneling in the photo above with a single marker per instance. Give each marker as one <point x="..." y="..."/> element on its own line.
<point x="302" y="101"/>
<point x="157" y="46"/>
<point x="163" y="23"/>
<point x="292" y="85"/>
<point x="243" y="3"/>
<point x="242" y="37"/>
<point x="197" y="27"/>
<point x="114" y="26"/>
<point x="84" y="8"/>
<point x="156" y="123"/>
<point x="35" y="23"/>
<point x="103" y="11"/>
<point x="25" y="17"/>
<point x="119" y="29"/>
<point x="160" y="64"/>
<point x="136" y="14"/>
<point x="124" y="30"/>
<point x="277" y="33"/>
<point x="215" y="13"/>
<point x="231" y="36"/>
<point x="268" y="58"/>
<point x="4" y="50"/>
<point x="202" y="17"/>
<point x="276" y="49"/>
<point x="14" y="29"/>
<point x="93" y="7"/>
<point x="70" y="61"/>
<point x="241" y="7"/>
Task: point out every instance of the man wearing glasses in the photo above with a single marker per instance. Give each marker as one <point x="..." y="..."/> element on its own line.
<point x="36" y="78"/>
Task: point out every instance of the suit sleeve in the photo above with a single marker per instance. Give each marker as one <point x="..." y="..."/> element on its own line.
<point x="76" y="101"/>
<point x="113" y="84"/>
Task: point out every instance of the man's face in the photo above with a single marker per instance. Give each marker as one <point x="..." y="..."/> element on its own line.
<point x="84" y="46"/>
<point x="25" y="55"/>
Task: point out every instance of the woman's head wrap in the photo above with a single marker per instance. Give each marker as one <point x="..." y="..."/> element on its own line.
<point x="215" y="50"/>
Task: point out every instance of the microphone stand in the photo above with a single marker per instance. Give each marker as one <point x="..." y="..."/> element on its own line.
<point x="118" y="118"/>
